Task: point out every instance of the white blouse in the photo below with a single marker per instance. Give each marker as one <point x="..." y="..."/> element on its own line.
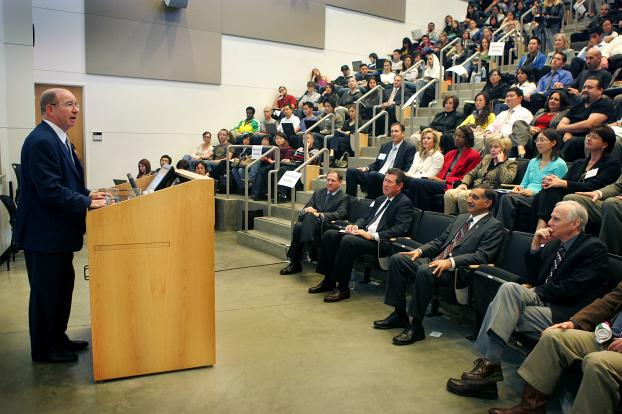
<point x="426" y="167"/>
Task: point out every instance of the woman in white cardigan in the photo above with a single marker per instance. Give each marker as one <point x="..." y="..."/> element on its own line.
<point x="429" y="158"/>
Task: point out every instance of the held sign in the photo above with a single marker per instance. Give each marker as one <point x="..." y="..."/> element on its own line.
<point x="290" y="178"/>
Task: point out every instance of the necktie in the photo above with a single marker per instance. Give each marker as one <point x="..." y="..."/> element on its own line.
<point x="389" y="161"/>
<point x="392" y="96"/>
<point x="457" y="239"/>
<point x="559" y="256"/>
<point x="327" y="199"/>
<point x="550" y="81"/>
<point x="379" y="212"/>
<point x="68" y="146"/>
<point x="616" y="326"/>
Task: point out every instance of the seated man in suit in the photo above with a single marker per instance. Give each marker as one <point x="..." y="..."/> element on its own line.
<point x="393" y="96"/>
<point x="397" y="154"/>
<point x="567" y="343"/>
<point x="390" y="216"/>
<point x="604" y="207"/>
<point x="567" y="269"/>
<point x="472" y="238"/>
<point x="324" y="206"/>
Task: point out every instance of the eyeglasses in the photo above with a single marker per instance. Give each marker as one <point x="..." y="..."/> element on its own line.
<point x="542" y="140"/>
<point x="68" y="104"/>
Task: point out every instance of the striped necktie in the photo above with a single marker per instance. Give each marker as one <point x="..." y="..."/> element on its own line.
<point x="559" y="256"/>
<point x="456" y="241"/>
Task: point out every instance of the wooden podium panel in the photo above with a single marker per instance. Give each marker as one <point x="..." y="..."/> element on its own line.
<point x="151" y="265"/>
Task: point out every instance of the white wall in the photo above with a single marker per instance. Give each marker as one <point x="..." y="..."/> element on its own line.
<point x="146" y="118"/>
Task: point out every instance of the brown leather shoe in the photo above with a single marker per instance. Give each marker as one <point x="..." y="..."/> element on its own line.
<point x="321" y="287"/>
<point x="483" y="373"/>
<point x="487" y="391"/>
<point x="533" y="402"/>
<point x="337" y="295"/>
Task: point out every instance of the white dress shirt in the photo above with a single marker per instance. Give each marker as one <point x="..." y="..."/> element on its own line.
<point x="505" y="120"/>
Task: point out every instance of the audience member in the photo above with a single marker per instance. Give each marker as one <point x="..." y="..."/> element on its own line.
<point x="362" y="76"/>
<point x="429" y="159"/>
<point x="593" y="68"/>
<point x="472" y="238"/>
<point x="342" y="81"/>
<point x="329" y="94"/>
<point x="396" y="61"/>
<point x="446" y="122"/>
<point x="555" y="108"/>
<point x="144" y="168"/>
<point x="493" y="170"/>
<point x="201" y="168"/>
<point x="495" y="87"/>
<point x="505" y="123"/>
<point x="311" y="95"/>
<point x="597" y="170"/>
<point x="457" y="163"/>
<point x="393" y="96"/>
<point x="289" y="118"/>
<point x="395" y="154"/>
<point x="329" y="123"/>
<point x="595" y="109"/>
<point x="203" y="151"/>
<point x="534" y="58"/>
<point x="387" y="76"/>
<point x="567" y="269"/>
<point x="260" y="187"/>
<point x="325" y="205"/>
<point x="431" y="32"/>
<point x="249" y="125"/>
<point x="596" y="41"/>
<point x="372" y="62"/>
<point x="480" y="119"/>
<point x="164" y="159"/>
<point x="561" y="45"/>
<point x="557" y="78"/>
<point x="547" y="162"/>
<point x="524" y="81"/>
<point x="390" y="216"/>
<point x="284" y="99"/>
<point x="339" y="142"/>
<point x="240" y="159"/>
<point x="351" y="95"/>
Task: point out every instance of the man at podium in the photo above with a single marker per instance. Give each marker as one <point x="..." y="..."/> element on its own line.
<point x="50" y="225"/>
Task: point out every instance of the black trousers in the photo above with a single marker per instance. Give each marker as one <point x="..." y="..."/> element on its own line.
<point x="415" y="277"/>
<point x="508" y="206"/>
<point x="574" y="148"/>
<point x="305" y="231"/>
<point x="51" y="277"/>
<point x="370" y="182"/>
<point x="260" y="188"/>
<point x="339" y="250"/>
<point x="421" y="191"/>
<point x="546" y="200"/>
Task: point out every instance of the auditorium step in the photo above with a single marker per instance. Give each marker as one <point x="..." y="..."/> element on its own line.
<point x="264" y="242"/>
<point x="275" y="226"/>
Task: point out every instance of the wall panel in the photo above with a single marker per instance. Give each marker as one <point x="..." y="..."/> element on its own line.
<point x="391" y="9"/>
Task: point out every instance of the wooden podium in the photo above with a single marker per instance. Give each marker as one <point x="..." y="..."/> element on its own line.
<point x="151" y="266"/>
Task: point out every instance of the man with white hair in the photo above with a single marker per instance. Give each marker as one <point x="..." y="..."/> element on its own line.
<point x="567" y="270"/>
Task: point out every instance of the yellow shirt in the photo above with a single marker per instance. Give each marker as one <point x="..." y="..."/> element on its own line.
<point x="471" y="120"/>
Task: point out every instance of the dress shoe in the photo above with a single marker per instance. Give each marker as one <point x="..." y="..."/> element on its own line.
<point x="74" y="346"/>
<point x="281" y="198"/>
<point x="321" y="288"/>
<point x="533" y="402"/>
<point x="290" y="269"/>
<point x="414" y="332"/>
<point x="57" y="357"/>
<point x="487" y="391"/>
<point x="306" y="258"/>
<point x="394" y="320"/>
<point x="484" y="372"/>
<point x="337" y="295"/>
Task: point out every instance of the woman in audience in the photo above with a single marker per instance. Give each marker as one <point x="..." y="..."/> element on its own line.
<point x="454" y="31"/>
<point x="203" y="151"/>
<point x="387" y="76"/>
<point x="495" y="87"/>
<point x="241" y="158"/>
<point x="432" y="71"/>
<point x="443" y="40"/>
<point x="446" y="122"/>
<point x="448" y="21"/>
<point x="201" y="168"/>
<point x="407" y="47"/>
<point x="409" y="75"/>
<point x="524" y="81"/>
<point x="368" y="102"/>
<point x="260" y="188"/>
<point x="589" y="174"/>
<point x="373" y="57"/>
<point x="144" y="168"/>
<point x="548" y="162"/>
<point x="554" y="110"/>
<point x="428" y="159"/>
<point x="329" y="93"/>
<point x="456" y="164"/>
<point x="494" y="169"/>
<point x="480" y="119"/>
<point x="467" y="43"/>
<point x="483" y="51"/>
<point x="339" y="142"/>
<point x="553" y="13"/>
<point x="316" y="76"/>
<point x="561" y="44"/>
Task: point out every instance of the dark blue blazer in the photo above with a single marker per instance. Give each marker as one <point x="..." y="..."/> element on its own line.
<point x="403" y="159"/>
<point x="53" y="200"/>
<point x="396" y="220"/>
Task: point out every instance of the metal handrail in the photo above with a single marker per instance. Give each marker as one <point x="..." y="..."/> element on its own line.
<point x="321" y="121"/>
<point x="246" y="181"/>
<point x="441" y="54"/>
<point x="303" y="165"/>
<point x="499" y="59"/>
<point x="522" y="17"/>
<point x="373" y="119"/>
<point x="404" y="85"/>
<point x="359" y="100"/>
<point x="413" y="99"/>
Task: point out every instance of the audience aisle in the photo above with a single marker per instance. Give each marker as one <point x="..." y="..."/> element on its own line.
<point x="278" y="350"/>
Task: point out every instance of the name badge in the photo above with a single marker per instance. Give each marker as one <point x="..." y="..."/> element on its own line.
<point x="382" y="156"/>
<point x="591" y="173"/>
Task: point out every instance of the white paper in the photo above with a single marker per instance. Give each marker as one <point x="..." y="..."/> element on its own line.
<point x="290" y="178"/>
<point x="256" y="152"/>
<point x="435" y="334"/>
<point x="579" y="8"/>
<point x="496" y="48"/>
<point x="591" y="173"/>
<point x="382" y="156"/>
<point x="458" y="70"/>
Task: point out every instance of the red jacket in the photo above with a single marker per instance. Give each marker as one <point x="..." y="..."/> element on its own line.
<point x="467" y="161"/>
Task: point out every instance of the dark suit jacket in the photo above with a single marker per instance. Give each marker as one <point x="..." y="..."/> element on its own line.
<point x="581" y="277"/>
<point x="603" y="309"/>
<point x="480" y="245"/>
<point x="397" y="100"/>
<point x="395" y="221"/>
<point x="52" y="197"/>
<point x="337" y="208"/>
<point x="403" y="159"/>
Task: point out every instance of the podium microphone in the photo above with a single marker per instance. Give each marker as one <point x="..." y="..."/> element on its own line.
<point x="132" y="181"/>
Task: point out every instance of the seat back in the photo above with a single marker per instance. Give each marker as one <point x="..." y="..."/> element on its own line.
<point x="512" y="256"/>
<point x="359" y="208"/>
<point x="415" y="223"/>
<point x="10" y="206"/>
<point x="615" y="271"/>
<point x="431" y="225"/>
<point x="521" y="168"/>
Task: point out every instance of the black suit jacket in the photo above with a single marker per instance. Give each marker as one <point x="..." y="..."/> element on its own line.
<point x="395" y="221"/>
<point x="52" y="198"/>
<point x="403" y="159"/>
<point x="337" y="208"/>
<point x="397" y="100"/>
<point x="480" y="245"/>
<point x="581" y="277"/>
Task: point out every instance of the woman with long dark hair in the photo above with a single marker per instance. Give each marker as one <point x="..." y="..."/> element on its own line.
<point x="144" y="168"/>
<point x="480" y="119"/>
